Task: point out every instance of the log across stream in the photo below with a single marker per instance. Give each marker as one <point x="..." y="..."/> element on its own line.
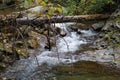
<point x="57" y="19"/>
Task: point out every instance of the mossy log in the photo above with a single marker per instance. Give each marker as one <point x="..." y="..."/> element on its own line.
<point x="81" y="18"/>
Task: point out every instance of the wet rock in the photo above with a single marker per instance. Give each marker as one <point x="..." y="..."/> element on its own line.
<point x="101" y="35"/>
<point x="103" y="44"/>
<point x="21" y="52"/>
<point x="49" y="45"/>
<point x="33" y="43"/>
<point x="45" y="33"/>
<point x="79" y="26"/>
<point x="107" y="26"/>
<point x="117" y="40"/>
<point x="51" y="34"/>
<point x="63" y="33"/>
<point x="85" y="47"/>
<point x="79" y="32"/>
<point x="57" y="30"/>
<point x="98" y="26"/>
<point x="74" y="28"/>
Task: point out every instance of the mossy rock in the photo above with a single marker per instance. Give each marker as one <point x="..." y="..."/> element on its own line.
<point x="22" y="52"/>
<point x="33" y="43"/>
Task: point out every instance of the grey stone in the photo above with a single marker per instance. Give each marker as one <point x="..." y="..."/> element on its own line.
<point x="98" y="26"/>
<point x="63" y="33"/>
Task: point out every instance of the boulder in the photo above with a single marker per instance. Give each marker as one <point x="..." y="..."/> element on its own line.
<point x="63" y="33"/>
<point x="98" y="26"/>
<point x="113" y="20"/>
<point x="108" y="25"/>
<point x="34" y="12"/>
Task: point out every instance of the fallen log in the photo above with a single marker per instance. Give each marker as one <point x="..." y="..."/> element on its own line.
<point x="59" y="19"/>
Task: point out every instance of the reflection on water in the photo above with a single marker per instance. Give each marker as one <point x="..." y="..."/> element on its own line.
<point x="87" y="70"/>
<point x="88" y="76"/>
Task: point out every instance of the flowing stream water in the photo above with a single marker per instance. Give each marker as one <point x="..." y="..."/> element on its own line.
<point x="24" y="69"/>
